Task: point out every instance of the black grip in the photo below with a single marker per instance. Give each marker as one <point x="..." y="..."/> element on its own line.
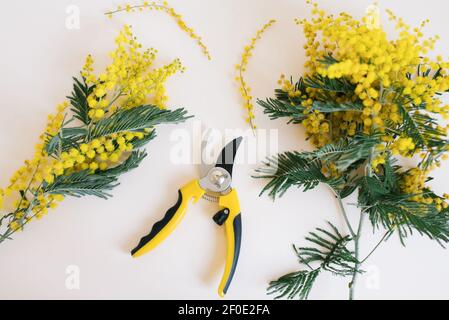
<point x="237" y="243"/>
<point x="158" y="226"/>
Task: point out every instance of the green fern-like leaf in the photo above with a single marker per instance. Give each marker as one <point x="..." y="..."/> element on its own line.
<point x="276" y="108"/>
<point x="304" y="169"/>
<point x="136" y="120"/>
<point x="86" y="183"/>
<point x="294" y="285"/>
<point x="423" y="129"/>
<point x="281" y="108"/>
<point x="389" y="175"/>
<point x="407" y="216"/>
<point x="346" y="152"/>
<point x="389" y="208"/>
<point x="78" y="100"/>
<point x="329" y="250"/>
<point x="328" y="60"/>
<point x="82" y="184"/>
<point x="140" y="143"/>
<point x="65" y="139"/>
<point x="329" y="107"/>
<point x="329" y="85"/>
<point x="131" y="163"/>
<point x="293" y="169"/>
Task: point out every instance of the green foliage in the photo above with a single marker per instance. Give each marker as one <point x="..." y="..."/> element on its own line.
<point x="80" y="184"/>
<point x="276" y="108"/>
<point x="329" y="251"/>
<point x="392" y="210"/>
<point x="136" y="120"/>
<point x="66" y="139"/>
<point x="304" y="169"/>
<point x="358" y="159"/>
<point x="294" y="285"/>
<point x="87" y="183"/>
<point x="279" y="108"/>
<point x="346" y="152"/>
<point x="293" y="169"/>
<point x="140" y="143"/>
<point x="328" y="60"/>
<point x="388" y="207"/>
<point x="423" y="129"/>
<point x="329" y="106"/>
<point x="78" y="100"/>
<point x="134" y="160"/>
<point x="80" y="155"/>
<point x="100" y="183"/>
<point x="330" y="85"/>
<point x="288" y="106"/>
<point x="129" y="120"/>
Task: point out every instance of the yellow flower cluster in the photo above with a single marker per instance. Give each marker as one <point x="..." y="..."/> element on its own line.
<point x="390" y="87"/>
<point x="129" y="81"/>
<point x="403" y="146"/>
<point x="28" y="180"/>
<point x="164" y="6"/>
<point x="40" y="164"/>
<point x="413" y="182"/>
<point x="101" y="154"/>
<point x="377" y="68"/>
<point x="245" y="89"/>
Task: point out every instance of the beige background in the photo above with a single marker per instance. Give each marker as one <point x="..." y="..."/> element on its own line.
<point x="38" y="57"/>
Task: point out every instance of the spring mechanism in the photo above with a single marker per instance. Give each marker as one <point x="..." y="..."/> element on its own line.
<point x="210" y="198"/>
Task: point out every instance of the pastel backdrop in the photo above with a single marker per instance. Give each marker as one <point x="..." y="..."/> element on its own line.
<point x="94" y="237"/>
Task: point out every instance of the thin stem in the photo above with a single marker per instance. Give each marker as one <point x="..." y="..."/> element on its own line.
<point x="10" y="231"/>
<point x="392" y="130"/>
<point x="248" y="102"/>
<point x="27" y="188"/>
<point x="171" y="12"/>
<point x="12" y="214"/>
<point x="345" y="216"/>
<point x="343" y="211"/>
<point x="302" y="259"/>
<point x="120" y="94"/>
<point x="6" y="216"/>
<point x="386" y="235"/>
<point x="141" y="6"/>
<point x="357" y="264"/>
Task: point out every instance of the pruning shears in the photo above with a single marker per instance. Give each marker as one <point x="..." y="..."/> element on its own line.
<point x="215" y="185"/>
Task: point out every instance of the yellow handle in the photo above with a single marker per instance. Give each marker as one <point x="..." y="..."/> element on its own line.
<point x="233" y="226"/>
<point x="162" y="229"/>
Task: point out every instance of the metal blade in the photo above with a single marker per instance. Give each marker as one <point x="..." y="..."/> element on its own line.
<point x="226" y="158"/>
<point x="205" y="166"/>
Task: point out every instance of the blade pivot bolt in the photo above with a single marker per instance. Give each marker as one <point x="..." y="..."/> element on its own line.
<point x="218" y="178"/>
